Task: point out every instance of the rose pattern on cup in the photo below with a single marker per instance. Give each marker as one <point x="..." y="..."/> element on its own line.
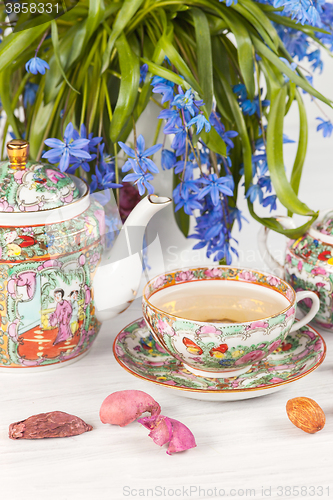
<point x="213" y="347"/>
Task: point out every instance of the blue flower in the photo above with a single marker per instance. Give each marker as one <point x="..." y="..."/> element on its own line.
<point x="89" y="148"/>
<point x="253" y="192"/>
<point x="215" y="186"/>
<point x="270" y="201"/>
<point x="236" y="214"/>
<point x="248" y="107"/>
<point x="158" y="79"/>
<point x="201" y="121"/>
<point x="64" y="150"/>
<point x="143" y="73"/>
<point x="138" y="160"/>
<point x="184" y="101"/>
<point x="265" y="182"/>
<point x="165" y="90"/>
<point x="142" y="180"/>
<point x="29" y="96"/>
<point x="36" y="65"/>
<point x="168" y="159"/>
<point x="229" y="2"/>
<point x="103" y="180"/>
<point x="325" y="126"/>
<point x="189" y="202"/>
<point x="179" y="140"/>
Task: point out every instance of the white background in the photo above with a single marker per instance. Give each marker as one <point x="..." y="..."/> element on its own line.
<point x="240" y="445"/>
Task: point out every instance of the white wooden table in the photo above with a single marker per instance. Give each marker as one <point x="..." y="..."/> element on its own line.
<point x="243" y="447"/>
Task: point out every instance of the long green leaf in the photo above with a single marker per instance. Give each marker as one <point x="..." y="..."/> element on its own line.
<point x="204" y="53"/>
<point x="95" y="17"/>
<point x="254" y="9"/>
<point x="283" y="68"/>
<point x="251" y="19"/>
<point x="244" y="50"/>
<point x="70" y="49"/>
<point x="241" y="129"/>
<point x="275" y="225"/>
<point x="16" y="43"/>
<point x="129" y="84"/>
<point x="283" y="189"/>
<point x="55" y="41"/>
<point x="124" y="16"/>
<point x="166" y="73"/>
<point x="6" y="99"/>
<point x="179" y="63"/>
<point x="302" y="145"/>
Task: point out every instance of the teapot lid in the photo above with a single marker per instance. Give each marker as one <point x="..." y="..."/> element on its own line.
<point x="29" y="186"/>
<point x="325" y="225"/>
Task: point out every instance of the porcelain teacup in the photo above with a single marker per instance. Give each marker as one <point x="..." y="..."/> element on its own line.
<point x="219" y="321"/>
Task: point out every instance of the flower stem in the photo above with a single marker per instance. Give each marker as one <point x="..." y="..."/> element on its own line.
<point x="116" y="171"/>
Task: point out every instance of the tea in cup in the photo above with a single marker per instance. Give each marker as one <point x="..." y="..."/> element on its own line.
<point x="219" y="321"/>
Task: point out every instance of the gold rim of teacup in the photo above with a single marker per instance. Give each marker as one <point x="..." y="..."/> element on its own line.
<point x="175" y="271"/>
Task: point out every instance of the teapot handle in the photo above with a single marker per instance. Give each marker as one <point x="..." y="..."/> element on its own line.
<point x="267" y="257"/>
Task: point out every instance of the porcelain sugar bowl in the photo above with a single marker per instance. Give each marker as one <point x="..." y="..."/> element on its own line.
<point x="58" y="278"/>
<point x="308" y="263"/>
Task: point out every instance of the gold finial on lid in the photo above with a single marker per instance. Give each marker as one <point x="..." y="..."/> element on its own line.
<point x="18" y="152"/>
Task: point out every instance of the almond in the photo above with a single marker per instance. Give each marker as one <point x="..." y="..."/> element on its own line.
<point x="306" y="414"/>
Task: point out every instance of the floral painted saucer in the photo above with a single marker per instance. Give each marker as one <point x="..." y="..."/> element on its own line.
<point x="136" y="350"/>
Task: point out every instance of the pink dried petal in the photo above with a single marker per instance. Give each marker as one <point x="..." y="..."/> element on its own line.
<point x="47" y="425"/>
<point x="123" y="407"/>
<point x="165" y="429"/>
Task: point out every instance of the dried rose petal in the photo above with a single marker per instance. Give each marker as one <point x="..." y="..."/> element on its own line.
<point x="123" y="407"/>
<point x="47" y="425"/>
<point x="167" y="430"/>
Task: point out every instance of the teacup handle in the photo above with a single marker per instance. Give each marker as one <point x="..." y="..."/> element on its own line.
<point x="267" y="257"/>
<point x="313" y="310"/>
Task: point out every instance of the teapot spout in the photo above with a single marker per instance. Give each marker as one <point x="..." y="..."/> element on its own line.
<point x="118" y="277"/>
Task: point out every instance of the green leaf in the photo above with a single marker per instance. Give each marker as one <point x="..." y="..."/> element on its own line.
<point x="254" y="9"/>
<point x="6" y="99"/>
<point x="16" y="43"/>
<point x="274" y="149"/>
<point x="179" y="63"/>
<point x="163" y="72"/>
<point x="276" y="226"/>
<point x="95" y="17"/>
<point x="214" y="141"/>
<point x="125" y="14"/>
<point x="302" y="145"/>
<point x="244" y="49"/>
<point x="286" y="21"/>
<point x="128" y="91"/>
<point x="283" y="68"/>
<point x="55" y="41"/>
<point x="204" y="54"/>
<point x="70" y="49"/>
<point x="252" y="23"/>
<point x="241" y="129"/>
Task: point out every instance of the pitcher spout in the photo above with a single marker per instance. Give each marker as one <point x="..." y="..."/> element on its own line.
<point x="117" y="278"/>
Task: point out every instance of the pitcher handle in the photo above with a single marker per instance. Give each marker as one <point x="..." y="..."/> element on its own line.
<point x="313" y="309"/>
<point x="267" y="257"/>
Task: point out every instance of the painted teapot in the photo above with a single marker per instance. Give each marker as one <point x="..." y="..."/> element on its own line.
<point x="308" y="263"/>
<point x="58" y="280"/>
